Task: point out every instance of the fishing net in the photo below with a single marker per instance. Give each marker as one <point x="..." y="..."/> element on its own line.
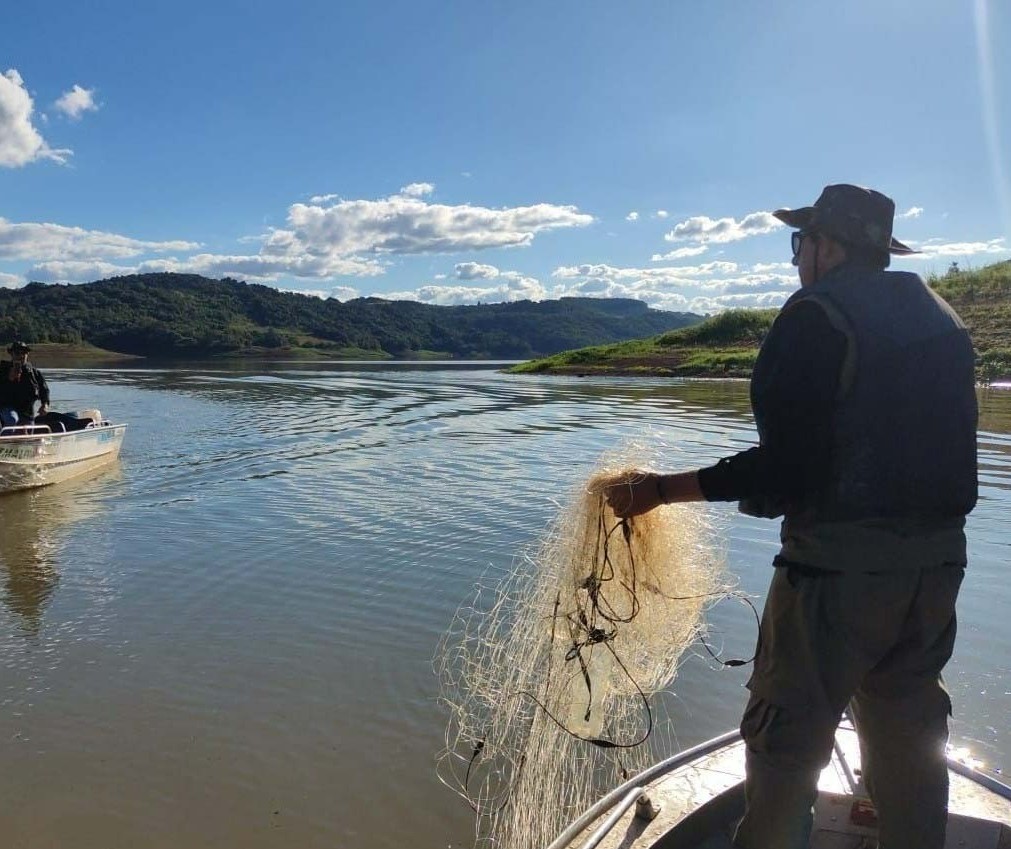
<point x="551" y="677"/>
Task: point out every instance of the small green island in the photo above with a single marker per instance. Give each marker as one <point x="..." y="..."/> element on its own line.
<point x="726" y="345"/>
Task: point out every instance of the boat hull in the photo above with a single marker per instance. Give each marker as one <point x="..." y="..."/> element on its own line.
<point x="28" y="461"/>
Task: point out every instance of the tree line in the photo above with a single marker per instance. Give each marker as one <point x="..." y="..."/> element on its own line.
<point x="187" y="315"/>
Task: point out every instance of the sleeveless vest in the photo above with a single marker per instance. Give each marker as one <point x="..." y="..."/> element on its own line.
<point x="903" y="467"/>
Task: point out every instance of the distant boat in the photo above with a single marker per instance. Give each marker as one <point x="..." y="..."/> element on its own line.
<point x="694" y="800"/>
<point x="37" y="455"/>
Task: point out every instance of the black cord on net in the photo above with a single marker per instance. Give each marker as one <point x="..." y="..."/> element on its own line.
<point x="599" y="636"/>
<point x="594" y="636"/>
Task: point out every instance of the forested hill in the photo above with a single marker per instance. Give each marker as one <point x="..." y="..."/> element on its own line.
<point x="183" y="315"/>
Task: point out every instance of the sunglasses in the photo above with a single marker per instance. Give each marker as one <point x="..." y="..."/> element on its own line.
<point x="797" y="239"/>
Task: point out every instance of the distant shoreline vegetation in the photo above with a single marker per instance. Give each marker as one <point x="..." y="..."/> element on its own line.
<point x="186" y="316"/>
<point x="727" y="344"/>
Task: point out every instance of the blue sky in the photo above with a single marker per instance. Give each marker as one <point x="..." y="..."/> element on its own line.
<point x="461" y="151"/>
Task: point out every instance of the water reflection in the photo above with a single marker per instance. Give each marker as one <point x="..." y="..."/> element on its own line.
<point x="247" y="620"/>
<point x="33" y="527"/>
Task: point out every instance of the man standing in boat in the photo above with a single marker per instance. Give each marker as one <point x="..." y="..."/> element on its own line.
<point x="864" y="399"/>
<point x="21" y="385"/>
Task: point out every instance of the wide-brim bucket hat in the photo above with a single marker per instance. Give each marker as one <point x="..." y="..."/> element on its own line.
<point x="850" y="214"/>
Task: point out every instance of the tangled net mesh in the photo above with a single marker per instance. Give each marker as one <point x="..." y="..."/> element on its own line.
<point x="551" y="676"/>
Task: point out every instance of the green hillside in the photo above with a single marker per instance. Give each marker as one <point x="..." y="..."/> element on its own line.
<point x="187" y="316"/>
<point x="726" y="344"/>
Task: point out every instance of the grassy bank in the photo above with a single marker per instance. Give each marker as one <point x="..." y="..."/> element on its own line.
<point x="726" y="345"/>
<point x="722" y="346"/>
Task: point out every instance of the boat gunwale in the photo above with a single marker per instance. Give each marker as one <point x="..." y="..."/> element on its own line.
<point x="28" y="437"/>
<point x="723" y="741"/>
<point x="710" y="747"/>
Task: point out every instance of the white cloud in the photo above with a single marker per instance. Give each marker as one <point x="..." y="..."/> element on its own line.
<point x="322" y="198"/>
<point x="259" y="268"/>
<point x="20" y="142"/>
<point x="348" y="238"/>
<point x="76" y="271"/>
<point x="679" y="273"/>
<point x="761" y="267"/>
<point x="417" y="190"/>
<point x="513" y="287"/>
<point x="11" y="281"/>
<point x="703" y="229"/>
<point x="759" y="300"/>
<point x="474" y="271"/>
<point x="76" y="102"/>
<point x="709" y="287"/>
<point x="662" y="213"/>
<point x="338" y="293"/>
<point x="679" y="253"/>
<point x="36" y="241"/>
<point x="912" y="212"/>
<point x="344" y="293"/>
<point x="409" y="225"/>
<point x="939" y="248"/>
<point x="255" y="269"/>
<point x="632" y="216"/>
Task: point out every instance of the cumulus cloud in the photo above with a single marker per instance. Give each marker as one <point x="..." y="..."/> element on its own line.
<point x="255" y="269"/>
<point x="721" y="303"/>
<point x="912" y="212"/>
<point x="263" y="269"/>
<point x="10" y="281"/>
<point x="510" y="286"/>
<point x="676" y="273"/>
<point x="703" y="229"/>
<point x="320" y="241"/>
<point x="322" y="198"/>
<point x="706" y="288"/>
<point x="37" y="241"/>
<point x="632" y="216"/>
<point x="403" y="224"/>
<point x="760" y="267"/>
<point x="679" y="253"/>
<point x="417" y="190"/>
<point x="939" y="248"/>
<point x="76" y="102"/>
<point x="76" y="271"/>
<point x="20" y="141"/>
<point x="662" y="213"/>
<point x="474" y="271"/>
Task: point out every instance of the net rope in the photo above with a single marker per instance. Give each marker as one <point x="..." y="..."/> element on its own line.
<point x="551" y="676"/>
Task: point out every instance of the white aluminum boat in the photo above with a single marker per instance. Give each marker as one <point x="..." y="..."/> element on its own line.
<point x="696" y="798"/>
<point x="36" y="455"/>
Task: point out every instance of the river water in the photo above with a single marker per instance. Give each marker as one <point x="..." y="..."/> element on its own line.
<point x="226" y="639"/>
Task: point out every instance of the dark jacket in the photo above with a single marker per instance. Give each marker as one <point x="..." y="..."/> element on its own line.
<point x="21" y="394"/>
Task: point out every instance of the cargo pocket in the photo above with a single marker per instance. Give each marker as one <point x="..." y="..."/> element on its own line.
<point x="757" y="723"/>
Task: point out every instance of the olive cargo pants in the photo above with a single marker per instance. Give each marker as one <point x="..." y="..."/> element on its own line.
<point x="875" y="641"/>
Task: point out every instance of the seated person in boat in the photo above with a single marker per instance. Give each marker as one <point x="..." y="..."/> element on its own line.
<point x="865" y="405"/>
<point x="21" y="385"/>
